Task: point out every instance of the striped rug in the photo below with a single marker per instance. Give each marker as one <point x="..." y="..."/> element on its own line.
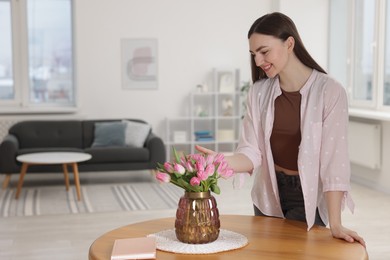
<point x="50" y="200"/>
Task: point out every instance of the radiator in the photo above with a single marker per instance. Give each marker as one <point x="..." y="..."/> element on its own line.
<point x="365" y="144"/>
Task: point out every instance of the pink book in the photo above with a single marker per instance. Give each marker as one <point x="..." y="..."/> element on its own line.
<point x="134" y="248"/>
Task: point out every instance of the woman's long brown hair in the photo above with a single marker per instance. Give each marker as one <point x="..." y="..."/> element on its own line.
<point x="280" y="26"/>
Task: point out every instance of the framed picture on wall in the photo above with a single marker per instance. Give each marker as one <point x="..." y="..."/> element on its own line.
<point x="139" y="63"/>
<point x="226" y="82"/>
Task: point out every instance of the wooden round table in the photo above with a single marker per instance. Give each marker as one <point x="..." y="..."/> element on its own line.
<point x="64" y="158"/>
<point x="269" y="238"/>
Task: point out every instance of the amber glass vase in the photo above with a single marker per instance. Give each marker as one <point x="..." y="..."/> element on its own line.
<point x="197" y="218"/>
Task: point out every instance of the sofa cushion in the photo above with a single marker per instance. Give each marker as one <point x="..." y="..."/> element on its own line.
<point x="117" y="154"/>
<point x="136" y="133"/>
<point x="88" y="129"/>
<point x="109" y="134"/>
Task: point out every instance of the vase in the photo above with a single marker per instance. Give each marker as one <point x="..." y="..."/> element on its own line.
<point x="197" y="218"/>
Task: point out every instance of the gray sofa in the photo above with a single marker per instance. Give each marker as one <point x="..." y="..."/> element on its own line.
<point x="77" y="135"/>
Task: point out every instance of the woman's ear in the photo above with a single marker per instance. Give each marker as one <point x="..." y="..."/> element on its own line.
<point x="290" y="43"/>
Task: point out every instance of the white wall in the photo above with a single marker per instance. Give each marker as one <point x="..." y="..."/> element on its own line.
<point x="311" y="20"/>
<point x="193" y="37"/>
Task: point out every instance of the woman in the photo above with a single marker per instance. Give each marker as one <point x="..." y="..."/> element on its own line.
<point x="294" y="132"/>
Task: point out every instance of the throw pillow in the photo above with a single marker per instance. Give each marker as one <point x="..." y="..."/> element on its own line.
<point x="109" y="134"/>
<point x="136" y="133"/>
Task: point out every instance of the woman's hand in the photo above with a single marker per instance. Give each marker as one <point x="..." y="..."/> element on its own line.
<point x="204" y="150"/>
<point x="334" y="199"/>
<point x="347" y="234"/>
<point x="238" y="162"/>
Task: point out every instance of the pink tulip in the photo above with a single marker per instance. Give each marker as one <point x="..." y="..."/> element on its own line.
<point x="227" y="173"/>
<point x="178" y="168"/>
<point x="199" y="166"/>
<point x="168" y="167"/>
<point x="163" y="177"/>
<point x="202" y="169"/>
<point x="194" y="181"/>
<point x="209" y="159"/>
<point x="202" y="175"/>
<point x="222" y="166"/>
<point x="200" y="161"/>
<point x="189" y="166"/>
<point x="219" y="158"/>
<point x="224" y="170"/>
<point x="195" y="157"/>
<point x="183" y="161"/>
<point x="210" y="169"/>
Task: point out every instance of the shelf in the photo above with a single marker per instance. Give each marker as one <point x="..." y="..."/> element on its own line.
<point x="217" y="114"/>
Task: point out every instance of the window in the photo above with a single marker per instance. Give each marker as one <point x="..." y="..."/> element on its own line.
<point x="7" y="91"/>
<point x="36" y="65"/>
<point x="359" y="54"/>
<point x="386" y="94"/>
<point x="338" y="41"/>
<point x="363" y="51"/>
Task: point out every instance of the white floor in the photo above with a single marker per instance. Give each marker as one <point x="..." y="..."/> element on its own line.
<point x="69" y="236"/>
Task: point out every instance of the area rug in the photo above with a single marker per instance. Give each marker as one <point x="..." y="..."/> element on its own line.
<point x="51" y="200"/>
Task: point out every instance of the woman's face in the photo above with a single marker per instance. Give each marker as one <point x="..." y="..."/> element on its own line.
<point x="270" y="53"/>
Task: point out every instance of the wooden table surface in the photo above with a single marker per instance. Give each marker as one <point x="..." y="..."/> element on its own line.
<point x="269" y="238"/>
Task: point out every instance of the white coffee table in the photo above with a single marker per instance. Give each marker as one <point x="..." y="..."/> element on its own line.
<point x="64" y="158"/>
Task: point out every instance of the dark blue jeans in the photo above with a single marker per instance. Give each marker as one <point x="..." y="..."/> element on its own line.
<point x="291" y="199"/>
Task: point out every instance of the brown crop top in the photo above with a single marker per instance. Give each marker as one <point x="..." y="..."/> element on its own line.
<point x="286" y="131"/>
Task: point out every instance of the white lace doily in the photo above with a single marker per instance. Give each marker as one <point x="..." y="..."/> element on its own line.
<point x="227" y="240"/>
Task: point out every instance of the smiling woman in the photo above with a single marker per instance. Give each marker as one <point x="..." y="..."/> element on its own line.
<point x="269" y="55"/>
<point x="303" y="162"/>
<point x="285" y="33"/>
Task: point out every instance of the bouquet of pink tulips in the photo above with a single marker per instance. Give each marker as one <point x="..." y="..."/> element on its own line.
<point x="195" y="172"/>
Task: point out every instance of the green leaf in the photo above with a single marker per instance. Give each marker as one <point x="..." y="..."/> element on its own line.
<point x="214" y="188"/>
<point x="184" y="185"/>
<point x="177" y="175"/>
<point x="189" y="187"/>
<point x="181" y="182"/>
<point x="160" y="167"/>
<point x="196" y="188"/>
<point x="177" y="157"/>
<point x="213" y="181"/>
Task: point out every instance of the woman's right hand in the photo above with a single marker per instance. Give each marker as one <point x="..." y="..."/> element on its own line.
<point x="204" y="150"/>
<point x="238" y="162"/>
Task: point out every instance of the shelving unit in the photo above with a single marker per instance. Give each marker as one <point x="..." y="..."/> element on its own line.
<point x="214" y="121"/>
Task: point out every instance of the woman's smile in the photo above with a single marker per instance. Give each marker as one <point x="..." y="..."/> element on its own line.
<point x="266" y="68"/>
